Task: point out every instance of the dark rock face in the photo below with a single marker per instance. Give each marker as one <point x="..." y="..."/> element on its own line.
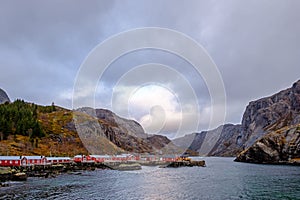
<point x="259" y="132"/>
<point x="271" y="128"/>
<point x="130" y="126"/>
<point x="157" y="141"/>
<point x="3" y="97"/>
<point x="225" y="142"/>
<point x="105" y="127"/>
<point x="270" y="113"/>
<point x="198" y="141"/>
<point x="276" y="147"/>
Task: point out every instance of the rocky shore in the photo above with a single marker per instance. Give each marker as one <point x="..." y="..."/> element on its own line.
<point x="200" y="163"/>
<point x="51" y="171"/>
<point x="277" y="147"/>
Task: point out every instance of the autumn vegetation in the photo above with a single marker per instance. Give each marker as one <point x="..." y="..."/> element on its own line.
<point x="30" y="129"/>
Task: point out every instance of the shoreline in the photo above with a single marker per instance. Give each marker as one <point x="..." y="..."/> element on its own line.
<point x="51" y="171"/>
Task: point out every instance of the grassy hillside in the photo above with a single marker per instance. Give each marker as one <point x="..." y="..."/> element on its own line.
<point x="37" y="130"/>
<point x="26" y="128"/>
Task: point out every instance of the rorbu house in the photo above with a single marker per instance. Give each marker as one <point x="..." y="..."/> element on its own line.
<point x="101" y="158"/>
<point x="83" y="159"/>
<point x="122" y="157"/>
<point x="130" y="157"/>
<point x="169" y="158"/>
<point x="150" y="157"/>
<point x="12" y="161"/>
<point x="36" y="160"/>
<point x="58" y="160"/>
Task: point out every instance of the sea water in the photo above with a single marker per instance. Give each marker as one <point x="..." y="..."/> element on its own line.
<point x="221" y="179"/>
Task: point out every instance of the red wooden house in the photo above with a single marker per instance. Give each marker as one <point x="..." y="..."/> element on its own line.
<point x="36" y="160"/>
<point x="122" y="157"/>
<point x="12" y="161"/>
<point x="169" y="158"/>
<point x="101" y="158"/>
<point x="150" y="157"/>
<point x="83" y="159"/>
<point x="58" y="160"/>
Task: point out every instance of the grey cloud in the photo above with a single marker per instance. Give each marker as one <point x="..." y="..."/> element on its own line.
<point x="254" y="44"/>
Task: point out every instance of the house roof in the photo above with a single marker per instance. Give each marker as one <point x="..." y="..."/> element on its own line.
<point x="34" y="157"/>
<point x="100" y="156"/>
<point x="10" y="157"/>
<point x="58" y="158"/>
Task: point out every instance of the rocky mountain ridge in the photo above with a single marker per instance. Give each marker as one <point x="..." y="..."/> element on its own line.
<point x="270" y="114"/>
<point x="262" y="120"/>
<point x="87" y="131"/>
<point x="100" y="126"/>
<point x="224" y="143"/>
<point x="277" y="147"/>
<point x="3" y="97"/>
<point x="270" y="128"/>
<point x="269" y="133"/>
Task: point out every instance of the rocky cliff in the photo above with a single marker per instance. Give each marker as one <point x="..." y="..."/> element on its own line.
<point x="266" y="133"/>
<point x="3" y="97"/>
<point x="270" y="128"/>
<point x="132" y="127"/>
<point x="221" y="141"/>
<point x="269" y="114"/>
<point x="281" y="146"/>
<point x="99" y="127"/>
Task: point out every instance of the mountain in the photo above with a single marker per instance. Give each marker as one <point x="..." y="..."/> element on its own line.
<point x="269" y="132"/>
<point x="27" y="128"/>
<point x="132" y="127"/>
<point x="3" y="97"/>
<point x="221" y="141"/>
<point x="267" y="128"/>
<point x="270" y="128"/>
<point x="280" y="146"/>
<point x="98" y="126"/>
<point x="270" y="114"/>
<point x="56" y="131"/>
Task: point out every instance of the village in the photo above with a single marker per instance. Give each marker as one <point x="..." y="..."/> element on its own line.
<point x="28" y="161"/>
<point x="18" y="168"/>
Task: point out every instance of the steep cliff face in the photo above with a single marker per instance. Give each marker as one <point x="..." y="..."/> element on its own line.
<point x="227" y="144"/>
<point x="102" y="126"/>
<point x="281" y="146"/>
<point x="221" y="141"/>
<point x="258" y="134"/>
<point x="132" y="127"/>
<point x="3" y="97"/>
<point x="271" y="128"/>
<point x="269" y="114"/>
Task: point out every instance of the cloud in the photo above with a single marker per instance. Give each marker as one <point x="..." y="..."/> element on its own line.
<point x="254" y="44"/>
<point x="161" y="110"/>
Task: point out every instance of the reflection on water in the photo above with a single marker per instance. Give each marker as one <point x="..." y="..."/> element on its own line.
<point x="221" y="179"/>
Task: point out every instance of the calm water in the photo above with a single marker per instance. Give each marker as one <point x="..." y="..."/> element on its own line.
<point x="221" y="179"/>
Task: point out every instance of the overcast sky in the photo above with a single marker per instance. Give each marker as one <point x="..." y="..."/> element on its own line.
<point x="254" y="44"/>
